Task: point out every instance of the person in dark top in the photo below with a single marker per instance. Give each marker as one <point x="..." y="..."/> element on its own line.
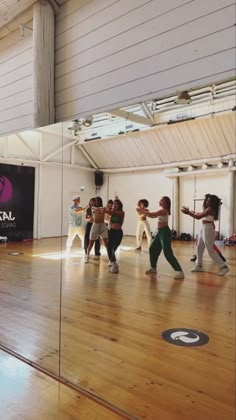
<point x="115" y="233"/>
<point x="89" y="219"/>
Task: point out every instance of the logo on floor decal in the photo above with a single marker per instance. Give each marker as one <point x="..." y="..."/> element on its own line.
<point x="185" y="337"/>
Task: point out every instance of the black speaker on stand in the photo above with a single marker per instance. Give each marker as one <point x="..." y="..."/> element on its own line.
<point x="98" y="179"/>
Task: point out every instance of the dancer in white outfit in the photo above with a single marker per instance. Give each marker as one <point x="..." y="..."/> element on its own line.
<point x="207" y="234"/>
<point x="143" y="224"/>
<point x="75" y="222"/>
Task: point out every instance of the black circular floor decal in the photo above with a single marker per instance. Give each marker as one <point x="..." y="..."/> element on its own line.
<point x="185" y="337"/>
<point x="15" y="253"/>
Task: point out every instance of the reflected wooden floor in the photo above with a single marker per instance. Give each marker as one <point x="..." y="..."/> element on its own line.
<point x="26" y="393"/>
<point x="112" y="323"/>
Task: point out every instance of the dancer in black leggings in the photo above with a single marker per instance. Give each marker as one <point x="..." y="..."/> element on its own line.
<point x="89" y="218"/>
<point x="115" y="233"/>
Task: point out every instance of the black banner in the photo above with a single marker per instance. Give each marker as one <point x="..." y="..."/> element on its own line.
<point x="16" y="202"/>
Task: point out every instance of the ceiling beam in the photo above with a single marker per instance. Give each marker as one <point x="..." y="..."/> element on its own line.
<point x="27" y="146"/>
<point x="131" y="117"/>
<point x="147" y="111"/>
<point x="14" y="11"/>
<point x="59" y="150"/>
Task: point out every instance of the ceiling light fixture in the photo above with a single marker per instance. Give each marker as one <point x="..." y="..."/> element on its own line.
<point x="206" y="166"/>
<point x="183" y="98"/>
<point x="221" y="165"/>
<point x="88" y="121"/>
<point x="191" y="168"/>
<point x="76" y="126"/>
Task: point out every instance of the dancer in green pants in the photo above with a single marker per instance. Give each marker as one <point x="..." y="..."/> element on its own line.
<point x="162" y="239"/>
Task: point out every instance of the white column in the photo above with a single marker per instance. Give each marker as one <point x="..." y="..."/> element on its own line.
<point x="232" y="210"/>
<point x="43" y="63"/>
<point x="175" y="207"/>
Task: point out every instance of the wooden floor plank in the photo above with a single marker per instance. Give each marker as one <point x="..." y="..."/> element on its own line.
<point x="111" y="327"/>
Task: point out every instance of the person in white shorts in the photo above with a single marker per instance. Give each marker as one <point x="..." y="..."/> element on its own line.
<point x="99" y="228"/>
<point x="75" y="222"/>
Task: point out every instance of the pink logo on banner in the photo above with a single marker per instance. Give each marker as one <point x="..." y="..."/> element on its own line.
<point x="5" y="189"/>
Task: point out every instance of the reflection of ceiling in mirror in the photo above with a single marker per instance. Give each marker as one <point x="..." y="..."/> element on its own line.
<point x="136" y="136"/>
<point x="208" y="100"/>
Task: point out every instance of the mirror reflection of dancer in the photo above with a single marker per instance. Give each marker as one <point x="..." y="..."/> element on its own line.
<point x="143" y="224"/>
<point x="89" y="219"/>
<point x="194" y="257"/>
<point x="109" y="206"/>
<point x="115" y="233"/>
<point x="162" y="239"/>
<point x="207" y="234"/>
<point x="75" y="222"/>
<point x="98" y="229"/>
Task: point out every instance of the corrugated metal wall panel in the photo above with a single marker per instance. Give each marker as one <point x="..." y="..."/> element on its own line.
<point x="185" y="141"/>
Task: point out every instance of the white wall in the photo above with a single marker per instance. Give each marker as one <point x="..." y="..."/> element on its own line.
<point x="196" y="187"/>
<point x="58" y="186"/>
<point x="16" y="105"/>
<point x="153" y="185"/>
<point x="110" y="53"/>
<point x="132" y="187"/>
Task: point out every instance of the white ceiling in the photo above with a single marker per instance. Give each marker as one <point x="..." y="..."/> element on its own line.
<point x="188" y="141"/>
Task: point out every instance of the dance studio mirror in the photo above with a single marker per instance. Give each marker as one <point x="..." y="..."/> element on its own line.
<point x="31" y="245"/>
<point x="110" y="327"/>
<point x="98" y="329"/>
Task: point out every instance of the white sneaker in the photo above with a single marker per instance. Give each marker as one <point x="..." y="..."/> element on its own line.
<point x="86" y="260"/>
<point x="114" y="268"/>
<point x="179" y="275"/>
<point x="151" y="271"/>
<point x="197" y="269"/>
<point x="223" y="271"/>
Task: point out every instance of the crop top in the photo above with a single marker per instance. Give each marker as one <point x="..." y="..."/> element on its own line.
<point x="116" y="218"/>
<point x="163" y="219"/>
<point x="208" y="218"/>
<point x="98" y="214"/>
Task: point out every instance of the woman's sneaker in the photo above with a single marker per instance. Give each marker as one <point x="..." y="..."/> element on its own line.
<point x="223" y="271"/>
<point x="151" y="271"/>
<point x="179" y="275"/>
<point x="197" y="269"/>
<point x="114" y="268"/>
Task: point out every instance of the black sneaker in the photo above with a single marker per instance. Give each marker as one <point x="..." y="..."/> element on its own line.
<point x="194" y="257"/>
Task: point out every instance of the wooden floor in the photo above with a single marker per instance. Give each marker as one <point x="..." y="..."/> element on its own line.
<point x="112" y="323"/>
<point x="28" y="394"/>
